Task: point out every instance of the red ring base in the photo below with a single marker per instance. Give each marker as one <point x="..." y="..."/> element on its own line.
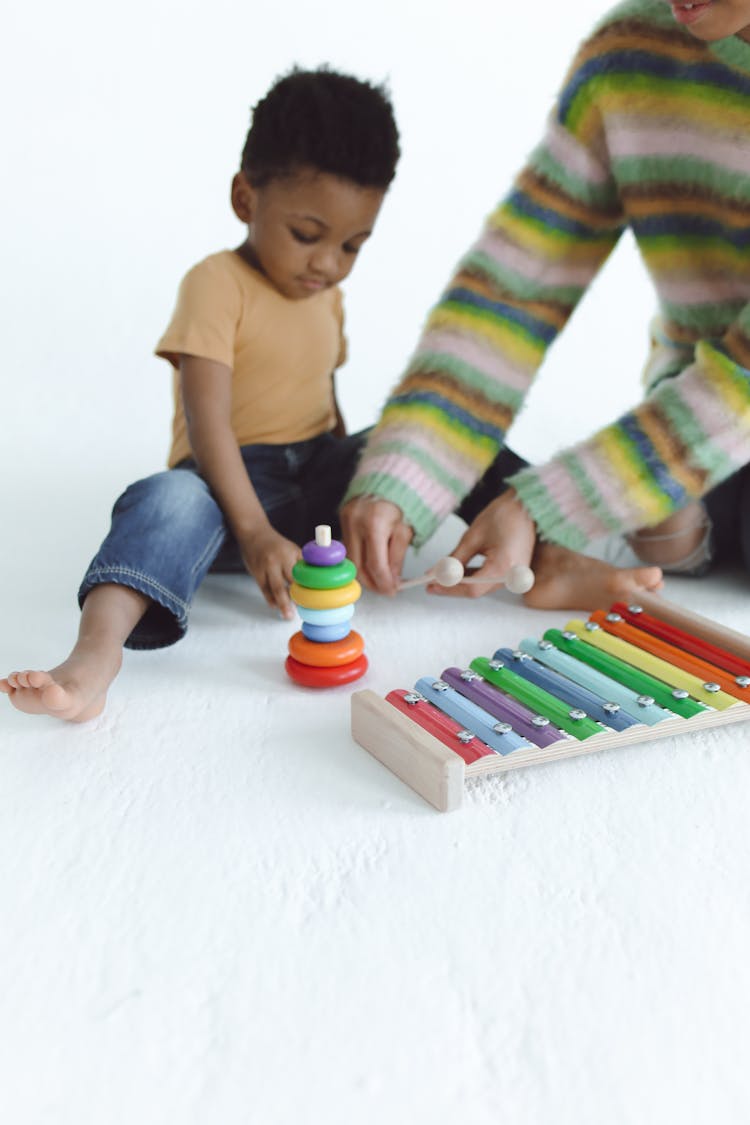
<point x="309" y="676"/>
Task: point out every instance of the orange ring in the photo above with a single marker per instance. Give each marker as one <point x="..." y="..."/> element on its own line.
<point x="326" y="654"/>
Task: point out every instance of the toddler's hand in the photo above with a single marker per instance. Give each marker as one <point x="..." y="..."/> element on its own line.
<point x="505" y="534"/>
<point x="376" y="538"/>
<point x="269" y="558"/>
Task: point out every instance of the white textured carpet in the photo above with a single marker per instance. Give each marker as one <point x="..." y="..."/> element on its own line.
<point x="218" y="908"/>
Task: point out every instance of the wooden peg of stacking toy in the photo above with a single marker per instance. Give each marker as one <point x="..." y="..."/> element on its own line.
<point x="449" y="571"/>
<point x="326" y="651"/>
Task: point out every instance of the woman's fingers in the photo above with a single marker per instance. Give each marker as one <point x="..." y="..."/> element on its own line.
<point x="376" y="539"/>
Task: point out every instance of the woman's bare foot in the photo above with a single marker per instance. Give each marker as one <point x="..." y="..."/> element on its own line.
<point x="566" y="580"/>
<point x="674" y="541"/>
<point x="76" y="690"/>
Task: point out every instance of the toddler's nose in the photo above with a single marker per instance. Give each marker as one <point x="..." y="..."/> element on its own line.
<point x="325" y="263"/>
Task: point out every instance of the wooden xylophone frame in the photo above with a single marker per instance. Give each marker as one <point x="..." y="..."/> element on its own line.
<point x="438" y="774"/>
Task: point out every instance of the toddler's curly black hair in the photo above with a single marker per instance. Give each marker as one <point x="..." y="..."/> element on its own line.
<point x="323" y="120"/>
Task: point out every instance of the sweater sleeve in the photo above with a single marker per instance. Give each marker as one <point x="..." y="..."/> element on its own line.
<point x="483" y="343"/>
<point x="691" y="433"/>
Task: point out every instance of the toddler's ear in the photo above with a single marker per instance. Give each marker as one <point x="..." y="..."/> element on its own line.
<point x="243" y="198"/>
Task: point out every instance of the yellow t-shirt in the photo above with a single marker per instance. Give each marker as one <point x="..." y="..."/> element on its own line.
<point x="282" y="352"/>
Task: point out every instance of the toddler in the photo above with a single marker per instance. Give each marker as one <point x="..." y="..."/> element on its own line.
<point x="259" y="451"/>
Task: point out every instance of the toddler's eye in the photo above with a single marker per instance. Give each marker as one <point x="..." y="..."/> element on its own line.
<point x="300" y="236"/>
<point x="348" y="249"/>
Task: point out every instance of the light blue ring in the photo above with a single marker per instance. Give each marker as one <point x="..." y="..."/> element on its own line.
<point x="326" y="616"/>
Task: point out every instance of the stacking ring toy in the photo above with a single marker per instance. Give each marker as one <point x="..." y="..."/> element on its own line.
<point x="325" y="651"/>
<point x="326" y="655"/>
<point x="325" y="599"/>
<point x="318" y="677"/>
<point x="324" y="577"/>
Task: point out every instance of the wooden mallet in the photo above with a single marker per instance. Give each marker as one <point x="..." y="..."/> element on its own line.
<point x="449" y="571"/>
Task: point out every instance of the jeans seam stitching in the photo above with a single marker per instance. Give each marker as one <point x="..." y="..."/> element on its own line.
<point x="131" y="573"/>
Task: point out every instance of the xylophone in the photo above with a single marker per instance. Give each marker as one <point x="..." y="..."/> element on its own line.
<point x="628" y="675"/>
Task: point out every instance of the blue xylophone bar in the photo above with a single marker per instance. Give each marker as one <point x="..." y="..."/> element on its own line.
<point x="640" y="707"/>
<point x="606" y="711"/>
<point x="500" y="737"/>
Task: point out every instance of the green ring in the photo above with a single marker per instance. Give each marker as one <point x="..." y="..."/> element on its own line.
<point x="324" y="577"/>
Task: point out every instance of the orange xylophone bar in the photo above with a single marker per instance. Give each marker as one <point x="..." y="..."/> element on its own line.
<point x="614" y="623"/>
<point x="729" y="662"/>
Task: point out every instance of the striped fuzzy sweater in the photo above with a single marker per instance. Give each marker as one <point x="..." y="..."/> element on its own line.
<point x="651" y="131"/>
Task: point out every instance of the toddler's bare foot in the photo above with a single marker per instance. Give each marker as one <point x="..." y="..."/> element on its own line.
<point x="76" y="690"/>
<point x="566" y="580"/>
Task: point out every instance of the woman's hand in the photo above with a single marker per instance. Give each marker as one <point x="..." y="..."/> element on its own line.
<point x="505" y="534"/>
<point x="376" y="538"/>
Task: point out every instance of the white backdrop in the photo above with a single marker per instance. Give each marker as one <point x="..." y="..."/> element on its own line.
<point x="215" y="908"/>
<point x="121" y="136"/>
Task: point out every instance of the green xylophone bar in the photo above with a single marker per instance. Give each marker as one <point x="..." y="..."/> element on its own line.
<point x="570" y="719"/>
<point x="575" y="642"/>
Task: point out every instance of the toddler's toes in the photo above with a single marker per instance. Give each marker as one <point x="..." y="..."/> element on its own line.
<point x="38" y="679"/>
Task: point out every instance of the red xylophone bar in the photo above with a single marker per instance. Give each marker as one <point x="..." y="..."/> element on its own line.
<point x="441" y="726"/>
<point x="687" y="641"/>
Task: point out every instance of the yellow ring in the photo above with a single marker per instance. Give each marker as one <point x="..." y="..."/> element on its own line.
<point x="325" y="599"/>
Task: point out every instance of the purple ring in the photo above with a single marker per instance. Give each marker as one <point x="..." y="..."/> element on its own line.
<point x="316" y="555"/>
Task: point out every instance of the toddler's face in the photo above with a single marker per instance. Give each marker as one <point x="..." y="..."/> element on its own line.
<point x="713" y="19"/>
<point x="304" y="232"/>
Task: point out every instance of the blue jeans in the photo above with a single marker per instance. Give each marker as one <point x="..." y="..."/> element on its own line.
<point x="168" y="531"/>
